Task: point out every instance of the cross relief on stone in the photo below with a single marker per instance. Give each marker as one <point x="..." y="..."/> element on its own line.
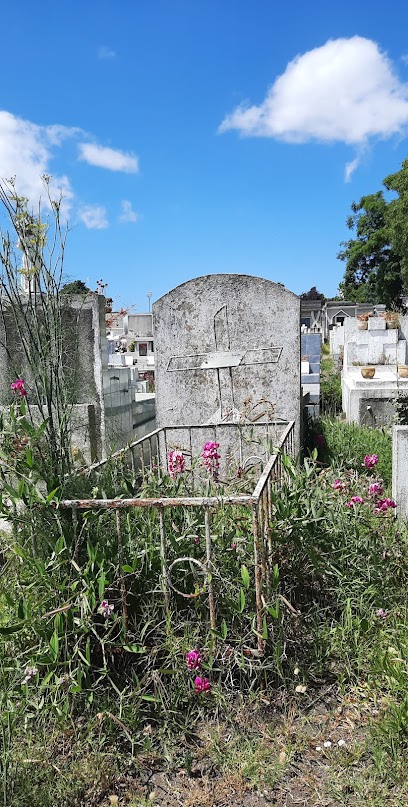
<point x="225" y="362"/>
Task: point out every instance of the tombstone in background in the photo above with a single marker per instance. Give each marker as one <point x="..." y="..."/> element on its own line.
<point x="311" y="348"/>
<point x="370" y="401"/>
<point x="227" y="350"/>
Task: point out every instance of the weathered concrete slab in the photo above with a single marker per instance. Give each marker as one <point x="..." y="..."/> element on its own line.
<point x="227" y="348"/>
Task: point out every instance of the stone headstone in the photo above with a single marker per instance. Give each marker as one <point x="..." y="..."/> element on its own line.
<point x="227" y="350"/>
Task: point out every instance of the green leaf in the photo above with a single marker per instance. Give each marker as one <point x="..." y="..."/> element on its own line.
<point x="241" y="600"/>
<point x="52" y="495"/>
<point x="101" y="584"/>
<point x="54" y="646"/>
<point x="264" y="629"/>
<point x="29" y="457"/>
<point x="135" y="648"/>
<point x="128" y="569"/>
<point x="224" y="629"/>
<point x="245" y="576"/>
<point x="5" y="630"/>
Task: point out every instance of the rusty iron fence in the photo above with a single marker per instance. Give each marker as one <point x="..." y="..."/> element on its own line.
<point x="260" y="446"/>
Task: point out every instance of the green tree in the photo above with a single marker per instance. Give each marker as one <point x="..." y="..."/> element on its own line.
<point x="373" y="268"/>
<point x="397" y="217"/>
<point x="312" y="294"/>
<point x="75" y="287"/>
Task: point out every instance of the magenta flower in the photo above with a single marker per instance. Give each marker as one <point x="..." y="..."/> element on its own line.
<point x="376" y="489"/>
<point x="320" y="441"/>
<point x="383" y="505"/>
<point x="176" y="463"/>
<point x="370" y="460"/>
<point x="355" y="500"/>
<point x="337" y="484"/>
<point x="194" y="659"/>
<point x="106" y="609"/>
<point x="18" y="386"/>
<point x="211" y="459"/>
<point x="202" y="684"/>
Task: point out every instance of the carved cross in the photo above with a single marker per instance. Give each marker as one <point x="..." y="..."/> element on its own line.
<point x="225" y="362"/>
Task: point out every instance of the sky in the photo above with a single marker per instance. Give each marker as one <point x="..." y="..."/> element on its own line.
<point x="191" y="137"/>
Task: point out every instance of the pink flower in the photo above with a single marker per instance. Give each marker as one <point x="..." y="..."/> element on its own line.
<point x="370" y="460"/>
<point x="106" y="609"/>
<point x="18" y="386"/>
<point x="381" y="613"/>
<point x="177" y="463"/>
<point x="211" y="459"/>
<point x="376" y="489"/>
<point x="337" y="484"/>
<point x="355" y="500"/>
<point x="383" y="505"/>
<point x="202" y="684"/>
<point x="194" y="660"/>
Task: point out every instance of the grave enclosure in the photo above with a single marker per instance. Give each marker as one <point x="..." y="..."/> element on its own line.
<point x="227" y="351"/>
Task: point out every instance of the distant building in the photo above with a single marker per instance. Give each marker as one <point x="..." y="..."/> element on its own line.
<point x="320" y="317"/>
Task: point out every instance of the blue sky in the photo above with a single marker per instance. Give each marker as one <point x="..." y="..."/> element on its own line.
<point x="200" y="136"/>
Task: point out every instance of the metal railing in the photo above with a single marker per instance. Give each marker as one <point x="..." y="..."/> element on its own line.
<point x="257" y="445"/>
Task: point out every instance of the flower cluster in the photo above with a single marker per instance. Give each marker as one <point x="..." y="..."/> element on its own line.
<point x="383" y="505"/>
<point x="375" y="490"/>
<point x="381" y="613"/>
<point x="211" y="459"/>
<point x="30" y="672"/>
<point x="369" y="461"/>
<point x="176" y="462"/>
<point x="194" y="660"/>
<point x="106" y="609"/>
<point x="18" y="387"/>
<point x="355" y="500"/>
<point x="202" y="684"/>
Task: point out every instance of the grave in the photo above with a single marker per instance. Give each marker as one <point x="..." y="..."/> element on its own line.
<point x="370" y="401"/>
<point x="227" y="351"/>
<point x="311" y="345"/>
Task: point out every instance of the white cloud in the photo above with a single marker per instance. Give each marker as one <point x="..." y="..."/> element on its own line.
<point x="127" y="214"/>
<point x="350" y="168"/>
<point x="26" y="152"/>
<point x="106" y="53"/>
<point x="344" y="91"/>
<point x="94" y="217"/>
<point x="111" y="159"/>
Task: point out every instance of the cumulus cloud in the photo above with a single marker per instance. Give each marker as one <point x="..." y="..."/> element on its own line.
<point x="127" y="214"/>
<point x="94" y="217"/>
<point x="112" y="159"/>
<point x="345" y="91"/>
<point x="26" y="152"/>
<point x="106" y="53"/>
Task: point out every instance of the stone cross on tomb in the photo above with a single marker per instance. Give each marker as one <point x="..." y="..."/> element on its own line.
<point x="224" y="362"/>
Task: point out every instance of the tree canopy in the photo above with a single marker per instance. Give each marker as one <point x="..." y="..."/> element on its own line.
<point x="75" y="287"/>
<point x="312" y="294"/>
<point x="377" y="256"/>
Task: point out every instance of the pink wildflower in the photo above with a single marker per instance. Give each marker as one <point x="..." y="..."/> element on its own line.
<point x="370" y="460"/>
<point x="177" y="463"/>
<point x="211" y="459"/>
<point x="18" y="386"/>
<point x="383" y="505"/>
<point x="106" y="609"/>
<point x="355" y="500"/>
<point x="337" y="484"/>
<point x="376" y="489"/>
<point x="202" y="684"/>
<point x="194" y="659"/>
<point x="381" y="613"/>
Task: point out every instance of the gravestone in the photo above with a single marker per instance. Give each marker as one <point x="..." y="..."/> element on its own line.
<point x="227" y="350"/>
